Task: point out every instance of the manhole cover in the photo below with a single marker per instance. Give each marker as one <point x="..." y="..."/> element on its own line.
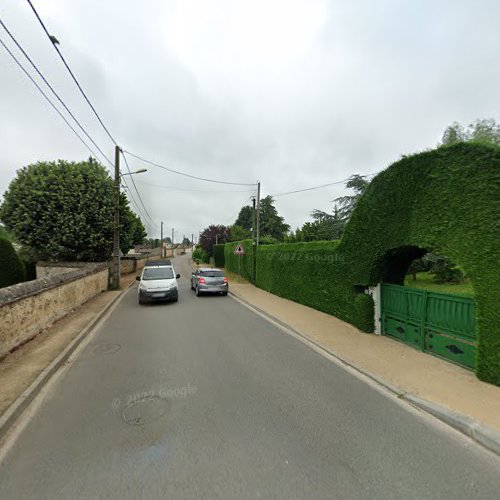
<point x="106" y="348"/>
<point x="145" y="411"/>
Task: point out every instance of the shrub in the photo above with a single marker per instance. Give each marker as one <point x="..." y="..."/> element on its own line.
<point x="445" y="201"/>
<point x="218" y="253"/>
<point x="11" y="267"/>
<point x="246" y="261"/>
<point x="364" y="317"/>
<point x="200" y="255"/>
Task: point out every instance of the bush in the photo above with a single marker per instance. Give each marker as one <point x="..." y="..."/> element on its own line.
<point x="11" y="267"/>
<point x="365" y="308"/>
<point x="199" y="255"/>
<point x="445" y="201"/>
<point x="246" y="261"/>
<point x="218" y="253"/>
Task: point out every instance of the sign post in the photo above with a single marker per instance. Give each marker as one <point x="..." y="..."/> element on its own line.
<point x="239" y="251"/>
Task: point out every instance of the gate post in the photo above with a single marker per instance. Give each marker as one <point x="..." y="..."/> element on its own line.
<point x="375" y="292"/>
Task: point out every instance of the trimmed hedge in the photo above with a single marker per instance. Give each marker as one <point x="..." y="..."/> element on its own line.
<point x="246" y="261"/>
<point x="446" y="201"/>
<point x="218" y="253"/>
<point x="11" y="266"/>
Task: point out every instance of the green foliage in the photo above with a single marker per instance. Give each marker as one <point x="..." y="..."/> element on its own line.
<point x="271" y="223"/>
<point x="347" y="204"/>
<point x="446" y="201"/>
<point x="199" y="255"/>
<point x="64" y="211"/>
<point x="218" y="253"/>
<point x="246" y="261"/>
<point x="245" y="218"/>
<point x="364" y="308"/>
<point x="237" y="233"/>
<point x="11" y="267"/>
<point x="485" y="131"/>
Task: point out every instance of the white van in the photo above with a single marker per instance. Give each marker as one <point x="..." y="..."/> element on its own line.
<point x="158" y="281"/>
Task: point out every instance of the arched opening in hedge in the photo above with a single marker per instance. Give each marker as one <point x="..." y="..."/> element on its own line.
<point x="447" y="201"/>
<point x="393" y="266"/>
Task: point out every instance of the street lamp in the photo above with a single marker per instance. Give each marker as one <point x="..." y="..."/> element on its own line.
<point x="115" y="280"/>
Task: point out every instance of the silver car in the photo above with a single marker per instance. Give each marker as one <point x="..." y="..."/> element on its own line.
<point x="208" y="280"/>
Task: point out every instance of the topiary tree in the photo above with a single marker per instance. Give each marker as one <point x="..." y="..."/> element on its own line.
<point x="11" y="267"/>
<point x="64" y="211"/>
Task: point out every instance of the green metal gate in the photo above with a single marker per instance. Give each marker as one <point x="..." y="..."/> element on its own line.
<point x="439" y="323"/>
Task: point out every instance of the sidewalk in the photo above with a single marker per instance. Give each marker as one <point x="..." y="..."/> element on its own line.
<point x="21" y="368"/>
<point x="409" y="372"/>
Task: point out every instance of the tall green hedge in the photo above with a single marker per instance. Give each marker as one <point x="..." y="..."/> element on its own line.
<point x="218" y="253"/>
<point x="446" y="201"/>
<point x="246" y="261"/>
<point x="11" y="267"/>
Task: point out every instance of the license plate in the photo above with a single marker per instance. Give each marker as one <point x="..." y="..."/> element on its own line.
<point x="157" y="295"/>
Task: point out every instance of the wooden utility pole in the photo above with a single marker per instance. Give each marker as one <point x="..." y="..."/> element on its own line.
<point x="115" y="279"/>
<point x="258" y="214"/>
<point x="161" y="239"/>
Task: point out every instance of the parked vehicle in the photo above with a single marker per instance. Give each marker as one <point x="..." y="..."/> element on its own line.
<point x="208" y="280"/>
<point x="158" y="282"/>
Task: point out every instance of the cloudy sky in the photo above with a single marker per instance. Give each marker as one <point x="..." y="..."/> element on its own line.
<point x="294" y="93"/>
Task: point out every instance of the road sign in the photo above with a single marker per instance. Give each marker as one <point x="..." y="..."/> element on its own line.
<point x="239" y="250"/>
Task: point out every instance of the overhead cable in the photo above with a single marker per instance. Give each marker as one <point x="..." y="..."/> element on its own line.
<point x="188" y="175"/>
<point x="54" y="42"/>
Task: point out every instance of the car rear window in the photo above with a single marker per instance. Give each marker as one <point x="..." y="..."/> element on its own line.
<point x="158" y="273"/>
<point x="212" y="274"/>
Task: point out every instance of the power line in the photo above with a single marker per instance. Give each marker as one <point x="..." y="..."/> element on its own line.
<point x="171" y="188"/>
<point x="136" y="190"/>
<point x="47" y="98"/>
<point x="53" y="91"/>
<point x="54" y="43"/>
<point x="318" y="187"/>
<point x="188" y="175"/>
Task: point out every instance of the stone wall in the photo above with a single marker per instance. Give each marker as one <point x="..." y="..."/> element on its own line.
<point x="29" y="308"/>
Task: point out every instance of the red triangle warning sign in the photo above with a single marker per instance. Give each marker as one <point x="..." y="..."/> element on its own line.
<point x="239" y="250"/>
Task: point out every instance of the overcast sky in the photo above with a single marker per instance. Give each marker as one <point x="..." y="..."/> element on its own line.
<point x="294" y="93"/>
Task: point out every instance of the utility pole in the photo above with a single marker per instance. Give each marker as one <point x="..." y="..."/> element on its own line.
<point x="172" y="236"/>
<point x="258" y="214"/>
<point x="216" y="239"/>
<point x="115" y="280"/>
<point x="192" y="239"/>
<point x="161" y="238"/>
<point x="254" y="248"/>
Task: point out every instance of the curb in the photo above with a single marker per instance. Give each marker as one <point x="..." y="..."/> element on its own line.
<point x="21" y="403"/>
<point x="482" y="434"/>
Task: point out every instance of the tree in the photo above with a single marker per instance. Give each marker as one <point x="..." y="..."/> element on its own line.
<point x="211" y="235"/>
<point x="64" y="211"/>
<point x="237" y="233"/>
<point x="271" y="223"/>
<point x="347" y="204"/>
<point x="453" y="134"/>
<point x="483" y="131"/>
<point x="186" y="242"/>
<point x="245" y="218"/>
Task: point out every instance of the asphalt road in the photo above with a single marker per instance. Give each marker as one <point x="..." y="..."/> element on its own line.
<point x="205" y="399"/>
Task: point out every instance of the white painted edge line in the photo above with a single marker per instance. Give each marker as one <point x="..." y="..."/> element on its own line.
<point x="460" y="424"/>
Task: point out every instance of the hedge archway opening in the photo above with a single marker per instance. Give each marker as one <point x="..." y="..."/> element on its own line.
<point x="394" y="265"/>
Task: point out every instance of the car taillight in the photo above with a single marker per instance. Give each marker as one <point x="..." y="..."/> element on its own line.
<point x="226" y="281"/>
<point x="202" y="281"/>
